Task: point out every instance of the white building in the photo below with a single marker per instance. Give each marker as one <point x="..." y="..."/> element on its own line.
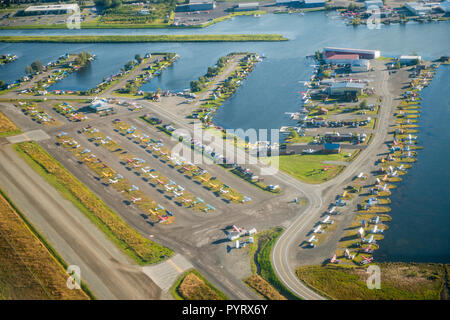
<point x="409" y="59"/>
<point x="372" y="3"/>
<point x="445" y="6"/>
<point x="360" y="65"/>
<point x="52" y="9"/>
<point x="362" y="53"/>
<point x="418" y="9"/>
<point x="98" y="105"/>
<point x="250" y="6"/>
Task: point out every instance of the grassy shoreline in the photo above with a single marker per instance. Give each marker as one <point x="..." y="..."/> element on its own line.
<point x="399" y="281"/>
<point x="145" y="38"/>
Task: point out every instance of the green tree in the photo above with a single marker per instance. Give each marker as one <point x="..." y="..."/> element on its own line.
<point x="28" y="69"/>
<point x="363" y="104"/>
<point x="36" y="66"/>
<point x="138" y="58"/>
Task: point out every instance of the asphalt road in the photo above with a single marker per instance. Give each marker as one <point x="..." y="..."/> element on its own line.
<point x="109" y="274"/>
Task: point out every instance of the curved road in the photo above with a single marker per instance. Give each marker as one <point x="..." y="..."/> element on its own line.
<point x="284" y="246"/>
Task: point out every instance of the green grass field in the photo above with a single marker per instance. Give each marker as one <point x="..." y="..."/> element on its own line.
<point x="310" y="168"/>
<point x="146" y="38"/>
<point x="264" y="280"/>
<point x="399" y="281"/>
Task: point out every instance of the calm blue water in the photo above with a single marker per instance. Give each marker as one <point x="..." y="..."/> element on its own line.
<point x="272" y="89"/>
<point x="420" y="226"/>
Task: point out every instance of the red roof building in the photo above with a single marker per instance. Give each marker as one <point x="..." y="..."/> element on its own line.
<point x="340" y="58"/>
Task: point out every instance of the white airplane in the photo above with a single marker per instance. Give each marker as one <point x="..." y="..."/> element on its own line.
<point x="152" y="176"/>
<point x="178" y="194"/>
<point x="318" y="229"/>
<point x="348" y="255"/>
<point x="368" y="240"/>
<point x="312" y="239"/>
<point x="375" y="220"/>
<point x="146" y="169"/>
<point x="113" y="181"/>
<point x="376" y="230"/>
<point x="133" y="199"/>
<point x="133" y="188"/>
<point x="327" y="220"/>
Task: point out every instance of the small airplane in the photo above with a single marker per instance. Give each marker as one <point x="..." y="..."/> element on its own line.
<point x="348" y="255"/>
<point x="366" y="260"/>
<point x="376" y="230"/>
<point x="134" y="200"/>
<point x="367" y="250"/>
<point x="318" y="229"/>
<point x="327" y="220"/>
<point x="162" y="218"/>
<point x="375" y="220"/>
<point x="133" y="188"/>
<point x="368" y="240"/>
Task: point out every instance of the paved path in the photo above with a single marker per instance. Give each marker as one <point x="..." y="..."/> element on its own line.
<point x="34" y="135"/>
<point x="166" y="273"/>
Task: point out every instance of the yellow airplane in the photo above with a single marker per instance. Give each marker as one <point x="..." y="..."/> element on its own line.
<point x="107" y="175"/>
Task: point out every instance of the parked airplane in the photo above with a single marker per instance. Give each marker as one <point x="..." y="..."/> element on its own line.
<point x="134" y="200"/>
<point x="318" y="229"/>
<point x="368" y="240"/>
<point x="375" y="220"/>
<point x="327" y="220"/>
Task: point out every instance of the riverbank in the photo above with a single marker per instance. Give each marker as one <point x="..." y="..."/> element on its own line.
<point x="400" y="281"/>
<point x="146" y="38"/>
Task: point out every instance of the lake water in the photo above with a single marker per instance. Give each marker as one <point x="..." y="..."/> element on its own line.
<point x="420" y="226"/>
<point x="272" y="89"/>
